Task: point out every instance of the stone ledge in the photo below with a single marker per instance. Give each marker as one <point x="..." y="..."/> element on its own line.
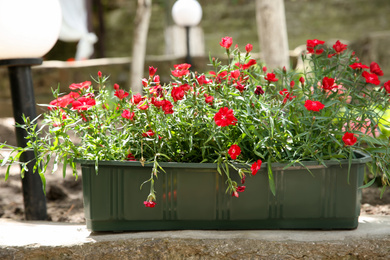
<point x="48" y="240"/>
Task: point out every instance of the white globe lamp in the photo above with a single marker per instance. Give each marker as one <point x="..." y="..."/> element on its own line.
<point x="187" y="13"/>
<point x="28" y="28"/>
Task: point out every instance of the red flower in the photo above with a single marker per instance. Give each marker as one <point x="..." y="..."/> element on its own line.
<point x="177" y="93"/>
<point x="387" y="86"/>
<point x="183" y="66"/>
<point x="314" y="105"/>
<point x="259" y="90"/>
<point x="250" y="63"/>
<point x="371" y="78"/>
<point x="328" y="83"/>
<point x="314" y="42"/>
<point x="64" y="100"/>
<point x="152" y="71"/>
<point x="156" y="91"/>
<point x="185" y="87"/>
<point x="283" y="92"/>
<point x="235" y="74"/>
<point x="311" y="44"/>
<point x="243" y="179"/>
<point x="209" y="99"/>
<point x="357" y="65"/>
<point x="220" y="77"/>
<point x="144" y="82"/>
<point x="167" y="107"/>
<point x="143" y="106"/>
<point x="225" y="117"/>
<point x="240" y="87"/>
<point x="226" y="42"/>
<point x="302" y="80"/>
<point x="180" y="73"/>
<point x="339" y="48"/>
<point x="130" y="157"/>
<point x="240" y="188"/>
<point x="156" y="79"/>
<point x="121" y="94"/>
<point x="137" y="98"/>
<point x="349" y="139"/>
<point x="286" y="95"/>
<point x="99" y="74"/>
<point x="83" y="85"/>
<point x="374" y="68"/>
<point x="201" y="79"/>
<point x="83" y="103"/>
<point x="248" y="47"/>
<point x="116" y="86"/>
<point x="149" y="133"/>
<point x="156" y="102"/>
<point x="127" y="114"/>
<point x="234" y="151"/>
<point x="149" y="204"/>
<point x="271" y="77"/>
<point x="255" y="167"/>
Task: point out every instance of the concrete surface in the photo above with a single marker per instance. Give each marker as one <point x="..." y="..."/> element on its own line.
<point x="48" y="240"/>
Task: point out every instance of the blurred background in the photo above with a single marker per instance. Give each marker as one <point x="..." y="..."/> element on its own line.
<point x="113" y="23"/>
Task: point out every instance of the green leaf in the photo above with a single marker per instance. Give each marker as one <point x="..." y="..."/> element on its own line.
<point x="271" y="176"/>
<point x="96" y="165"/>
<point x="7" y="172"/>
<point x="43" y="182"/>
<point x="367" y="184"/>
<point x="55" y="164"/>
<point x="350" y="162"/>
<point x="5" y="159"/>
<point x="383" y="190"/>
<point x="64" y="166"/>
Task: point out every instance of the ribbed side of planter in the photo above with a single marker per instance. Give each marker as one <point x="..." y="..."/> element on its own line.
<point x="192" y="196"/>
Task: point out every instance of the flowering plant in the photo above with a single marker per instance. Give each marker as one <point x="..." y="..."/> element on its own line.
<point x="236" y="114"/>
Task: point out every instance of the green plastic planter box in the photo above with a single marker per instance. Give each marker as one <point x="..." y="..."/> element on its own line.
<point x="192" y="196"/>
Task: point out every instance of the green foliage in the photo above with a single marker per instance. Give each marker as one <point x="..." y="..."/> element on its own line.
<point x="177" y="122"/>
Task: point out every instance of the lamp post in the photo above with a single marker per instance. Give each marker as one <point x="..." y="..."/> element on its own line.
<point x="28" y="30"/>
<point x="187" y="13"/>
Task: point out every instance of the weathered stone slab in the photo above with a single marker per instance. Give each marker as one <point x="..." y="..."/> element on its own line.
<point x="45" y="240"/>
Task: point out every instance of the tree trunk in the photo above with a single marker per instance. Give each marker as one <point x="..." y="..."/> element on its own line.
<point x="140" y="36"/>
<point x="272" y="32"/>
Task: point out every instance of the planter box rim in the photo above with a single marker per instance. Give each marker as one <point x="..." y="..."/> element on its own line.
<point x="362" y="158"/>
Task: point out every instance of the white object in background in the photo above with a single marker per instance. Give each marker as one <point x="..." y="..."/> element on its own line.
<point x="186" y="13"/>
<point x="175" y="41"/>
<point x="75" y="27"/>
<point x="28" y="29"/>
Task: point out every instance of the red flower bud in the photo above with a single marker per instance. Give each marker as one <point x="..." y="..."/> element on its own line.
<point x="248" y="47"/>
<point x="302" y="80"/>
<point x="152" y="71"/>
<point x="292" y="83"/>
